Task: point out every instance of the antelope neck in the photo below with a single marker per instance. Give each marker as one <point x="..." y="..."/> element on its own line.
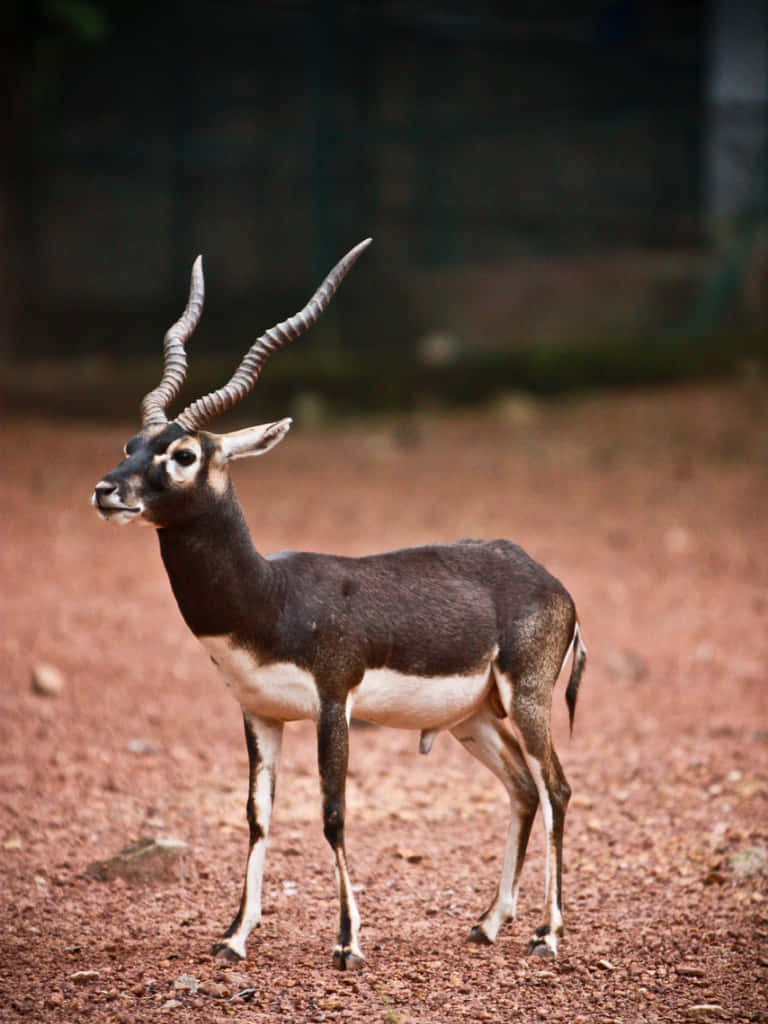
<point x="221" y="583"/>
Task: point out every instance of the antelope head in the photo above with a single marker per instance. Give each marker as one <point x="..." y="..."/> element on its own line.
<point x="173" y="468"/>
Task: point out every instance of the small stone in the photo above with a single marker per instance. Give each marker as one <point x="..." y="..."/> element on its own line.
<point x="715" y="877"/>
<point x="141" y="747"/>
<point x="235" y="980"/>
<point x="145" y="860"/>
<point x="408" y="855"/>
<point x="47" y="680"/>
<point x="605" y="965"/>
<point x="247" y="994"/>
<point x="213" y="989"/>
<point x="706" y="1011"/>
<point x="690" y="971"/>
<point x="752" y="860"/>
<point x="186" y="983"/>
<point x="84" y="977"/>
<point x="172" y="1004"/>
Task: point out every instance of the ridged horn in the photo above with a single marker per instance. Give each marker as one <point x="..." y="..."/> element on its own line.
<point x="244" y="378"/>
<point x="155" y="403"/>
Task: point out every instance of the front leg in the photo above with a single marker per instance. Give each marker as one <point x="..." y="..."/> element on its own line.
<point x="333" y="756"/>
<point x="263" y="739"/>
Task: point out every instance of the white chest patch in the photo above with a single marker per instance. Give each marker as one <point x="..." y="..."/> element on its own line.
<point x="287" y="693"/>
<point x="281" y="690"/>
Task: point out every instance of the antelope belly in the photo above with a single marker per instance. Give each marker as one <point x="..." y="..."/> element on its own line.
<point x="285" y="692"/>
<point x="418" y="702"/>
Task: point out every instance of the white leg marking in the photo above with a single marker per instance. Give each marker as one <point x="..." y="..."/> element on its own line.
<point x="484" y="737"/>
<point x="551" y="908"/>
<point x="268" y="737"/>
<point x="347" y="898"/>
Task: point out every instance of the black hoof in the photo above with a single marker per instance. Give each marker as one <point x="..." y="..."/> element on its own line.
<point x="345" y="960"/>
<point x="538" y="948"/>
<point x="226" y="954"/>
<point x="478" y="937"/>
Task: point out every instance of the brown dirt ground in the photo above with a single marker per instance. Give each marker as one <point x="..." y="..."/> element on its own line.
<point x="650" y="507"/>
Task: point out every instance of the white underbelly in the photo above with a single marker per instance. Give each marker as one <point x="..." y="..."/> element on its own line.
<point x="285" y="692"/>
<point x="418" y="702"/>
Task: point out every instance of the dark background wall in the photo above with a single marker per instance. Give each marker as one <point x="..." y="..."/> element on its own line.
<point x="529" y="170"/>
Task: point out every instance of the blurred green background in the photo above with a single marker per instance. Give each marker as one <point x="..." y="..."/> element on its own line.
<point x="561" y="195"/>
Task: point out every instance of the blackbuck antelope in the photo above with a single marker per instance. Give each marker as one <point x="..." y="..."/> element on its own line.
<point x="452" y="637"/>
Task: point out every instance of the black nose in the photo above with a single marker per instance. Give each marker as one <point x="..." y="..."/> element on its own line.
<point x="103" y="490"/>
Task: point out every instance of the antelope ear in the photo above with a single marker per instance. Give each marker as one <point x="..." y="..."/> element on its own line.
<point x="239" y="444"/>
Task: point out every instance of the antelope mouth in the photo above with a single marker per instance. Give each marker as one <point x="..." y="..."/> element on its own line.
<point x="108" y="510"/>
<point x="121" y="513"/>
<point x="118" y="515"/>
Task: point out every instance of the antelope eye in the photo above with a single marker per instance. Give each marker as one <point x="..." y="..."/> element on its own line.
<point x="184" y="457"/>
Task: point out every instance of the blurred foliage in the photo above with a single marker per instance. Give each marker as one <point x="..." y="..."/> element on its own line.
<point x="374" y="381"/>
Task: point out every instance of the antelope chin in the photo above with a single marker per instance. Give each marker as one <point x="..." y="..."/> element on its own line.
<point x="118" y="514"/>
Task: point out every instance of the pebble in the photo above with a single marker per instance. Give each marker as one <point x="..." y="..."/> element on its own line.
<point x="84" y="977"/>
<point x="142" y="748"/>
<point x="186" y="983"/>
<point x="706" y="1011"/>
<point x="144" y="860"/>
<point x="751" y="860"/>
<point x="47" y="680"/>
<point x="214" y="989"/>
<point x="235" y="980"/>
<point x="172" y="1004"/>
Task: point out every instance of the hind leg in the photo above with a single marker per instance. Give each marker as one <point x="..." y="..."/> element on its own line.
<point x="554" y="793"/>
<point x="530" y="715"/>
<point x="485" y="738"/>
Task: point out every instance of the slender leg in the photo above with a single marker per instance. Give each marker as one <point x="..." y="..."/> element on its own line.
<point x="489" y="741"/>
<point x="263" y="739"/>
<point x="531" y="725"/>
<point x="333" y="756"/>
